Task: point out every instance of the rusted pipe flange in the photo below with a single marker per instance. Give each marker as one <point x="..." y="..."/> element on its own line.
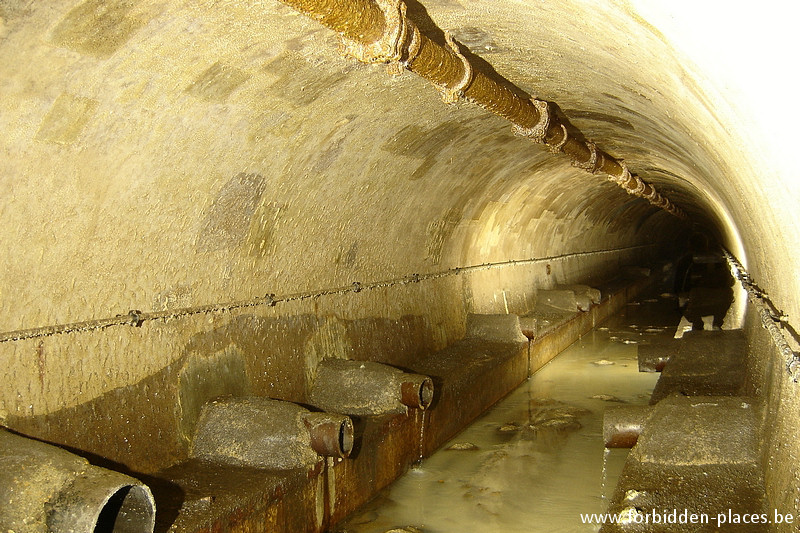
<point x="414" y="46"/>
<point x="623" y="179"/>
<point x="652" y="196"/>
<point x="331" y="434"/>
<point x="592" y="164"/>
<point x="450" y="95"/>
<point x="556" y="148"/>
<point x="539" y="130"/>
<point x="416" y="391"/>
<point x="389" y="48"/>
<point x="639" y="189"/>
<point x="623" y="425"/>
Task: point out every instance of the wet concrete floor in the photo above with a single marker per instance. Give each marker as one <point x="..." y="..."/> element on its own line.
<point x="536" y="461"/>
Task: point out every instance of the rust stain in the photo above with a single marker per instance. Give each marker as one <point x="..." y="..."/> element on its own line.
<point x="41" y="361"/>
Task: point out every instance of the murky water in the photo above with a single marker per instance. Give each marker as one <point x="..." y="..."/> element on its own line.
<point x="536" y="461"/>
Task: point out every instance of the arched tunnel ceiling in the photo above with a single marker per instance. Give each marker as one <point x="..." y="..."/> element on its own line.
<point x="169" y="150"/>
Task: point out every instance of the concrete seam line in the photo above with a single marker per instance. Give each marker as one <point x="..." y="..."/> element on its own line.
<point x="136" y="318"/>
<point x="372" y="33"/>
<point x="769" y="315"/>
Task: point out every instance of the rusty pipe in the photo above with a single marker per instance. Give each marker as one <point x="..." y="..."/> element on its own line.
<point x="623" y="425"/>
<point x="368" y="388"/>
<point x="416" y="391"/>
<point x="331" y="434"/>
<point x="378" y="31"/>
<point x="266" y="433"/>
<point x="44" y="489"/>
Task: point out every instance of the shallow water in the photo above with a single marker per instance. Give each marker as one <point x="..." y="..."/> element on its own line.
<point x="536" y="460"/>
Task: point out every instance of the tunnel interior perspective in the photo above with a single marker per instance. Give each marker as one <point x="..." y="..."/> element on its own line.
<point x="261" y="258"/>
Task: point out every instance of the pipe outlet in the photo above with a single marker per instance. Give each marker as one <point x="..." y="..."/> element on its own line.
<point x="272" y="434"/>
<point x="48" y="490"/>
<point x="368" y="388"/>
<point x="622" y="425"/>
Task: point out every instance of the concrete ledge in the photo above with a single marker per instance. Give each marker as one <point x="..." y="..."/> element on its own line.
<point x="470" y="376"/>
<point x="706" y="363"/>
<point x="700" y="454"/>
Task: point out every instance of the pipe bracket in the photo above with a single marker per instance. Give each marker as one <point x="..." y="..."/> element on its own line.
<point x="623" y="179"/>
<point x="592" y="164"/>
<point x="414" y="46"/>
<point x="653" y="196"/>
<point x="556" y="148"/>
<point x="389" y="48"/>
<point x="135" y="318"/>
<point x="539" y="130"/>
<point x="451" y="95"/>
<point x="639" y="189"/>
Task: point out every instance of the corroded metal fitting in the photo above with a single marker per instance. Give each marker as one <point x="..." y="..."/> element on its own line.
<point x="653" y="196"/>
<point x="414" y="46"/>
<point x="539" y="130"/>
<point x="135" y="318"/>
<point x="450" y="95"/>
<point x="556" y="148"/>
<point x="389" y="48"/>
<point x="623" y="179"/>
<point x="592" y="164"/>
<point x="639" y="189"/>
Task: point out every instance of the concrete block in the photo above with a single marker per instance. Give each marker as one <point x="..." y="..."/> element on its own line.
<point x="495" y="328"/>
<point x="584" y="295"/>
<point x="700" y="430"/>
<point x="707" y="363"/>
<point x="563" y="300"/>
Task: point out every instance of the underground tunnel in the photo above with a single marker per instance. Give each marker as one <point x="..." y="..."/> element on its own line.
<point x="264" y="258"/>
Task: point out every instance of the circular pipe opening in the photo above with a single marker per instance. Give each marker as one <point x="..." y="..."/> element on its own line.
<point x="417" y="391"/>
<point x="331" y="435"/>
<point x="103" y="501"/>
<point x="128" y="510"/>
<point x="623" y="425"/>
<point x="426" y="393"/>
<point x="346" y="437"/>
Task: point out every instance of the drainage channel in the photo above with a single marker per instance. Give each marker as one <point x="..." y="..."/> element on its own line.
<point x="535" y="462"/>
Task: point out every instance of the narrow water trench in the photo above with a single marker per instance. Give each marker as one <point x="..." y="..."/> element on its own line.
<point x="536" y="460"/>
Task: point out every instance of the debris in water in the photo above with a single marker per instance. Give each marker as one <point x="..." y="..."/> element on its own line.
<point x="629" y="341"/>
<point x="634" y="303"/>
<point x="650" y="300"/>
<point x="407" y="529"/>
<point x="506" y="428"/>
<point x="666" y="295"/>
<point x="602" y="328"/>
<point x="603" y="362"/>
<point x="462" y="446"/>
<point x="554" y="415"/>
<point x="606" y="398"/>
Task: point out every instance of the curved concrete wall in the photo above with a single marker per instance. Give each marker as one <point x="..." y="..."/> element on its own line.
<point x="190" y="158"/>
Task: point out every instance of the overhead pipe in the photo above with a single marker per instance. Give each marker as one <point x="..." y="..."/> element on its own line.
<point x="378" y="31"/>
<point x="368" y="388"/>
<point x="45" y="489"/>
<point x="266" y="433"/>
<point x="623" y="425"/>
